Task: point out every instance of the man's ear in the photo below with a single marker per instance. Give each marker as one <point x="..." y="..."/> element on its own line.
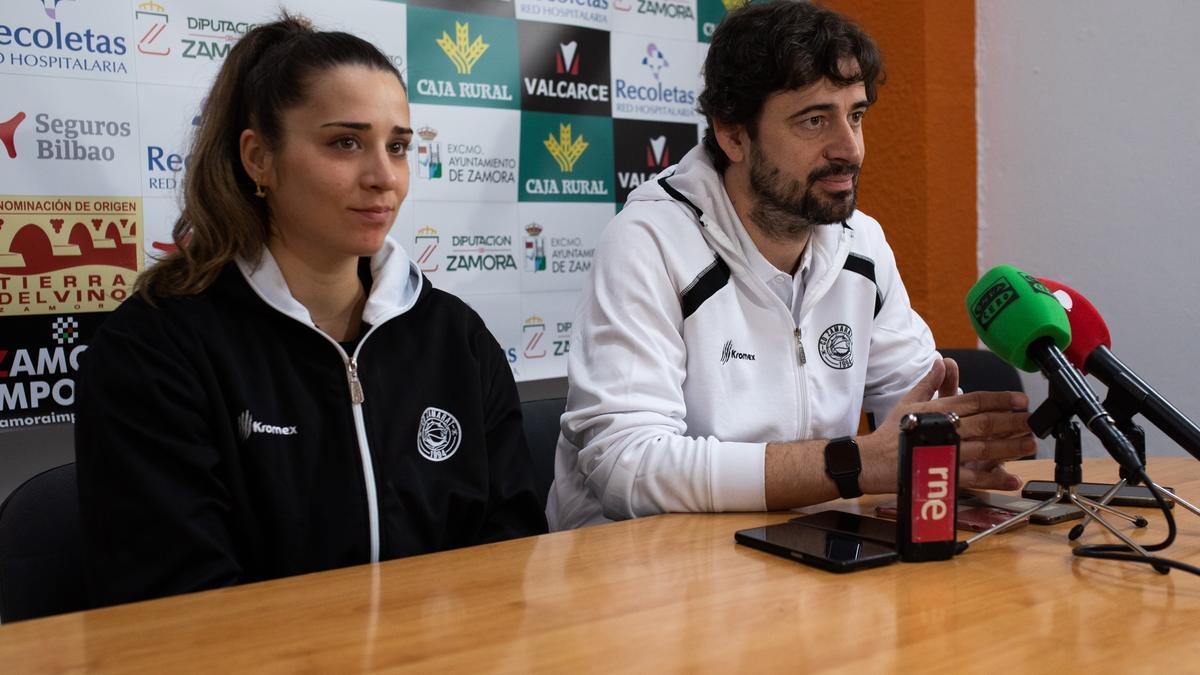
<point x="733" y="139"/>
<point x="257" y="158"/>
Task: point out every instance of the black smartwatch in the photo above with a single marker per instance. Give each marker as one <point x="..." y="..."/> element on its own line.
<point x="843" y="465"/>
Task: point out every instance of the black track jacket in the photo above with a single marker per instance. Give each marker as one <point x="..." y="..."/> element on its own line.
<point x="221" y="438"/>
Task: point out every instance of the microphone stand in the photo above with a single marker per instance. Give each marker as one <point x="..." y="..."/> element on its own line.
<point x="1122" y="406"/>
<point x="1054" y="416"/>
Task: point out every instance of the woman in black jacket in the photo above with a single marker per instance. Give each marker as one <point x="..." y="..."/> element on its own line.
<point x="286" y="392"/>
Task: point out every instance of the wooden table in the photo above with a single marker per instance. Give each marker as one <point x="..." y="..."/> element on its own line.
<point x="666" y="594"/>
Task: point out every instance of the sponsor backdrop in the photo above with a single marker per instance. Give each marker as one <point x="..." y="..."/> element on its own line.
<point x="534" y="119"/>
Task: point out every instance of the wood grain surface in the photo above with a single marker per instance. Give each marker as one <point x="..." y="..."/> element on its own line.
<point x="669" y="593"/>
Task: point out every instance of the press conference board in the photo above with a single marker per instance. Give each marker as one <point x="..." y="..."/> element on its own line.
<point x="534" y="120"/>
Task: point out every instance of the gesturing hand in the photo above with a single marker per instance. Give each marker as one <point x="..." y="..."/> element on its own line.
<point x="993" y="427"/>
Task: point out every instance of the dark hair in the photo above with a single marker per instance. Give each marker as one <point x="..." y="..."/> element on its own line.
<point x="763" y="48"/>
<point x="268" y="71"/>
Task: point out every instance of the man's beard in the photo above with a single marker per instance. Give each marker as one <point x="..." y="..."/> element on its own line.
<point x="785" y="210"/>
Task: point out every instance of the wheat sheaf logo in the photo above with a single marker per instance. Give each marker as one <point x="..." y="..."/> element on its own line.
<point x="564" y="150"/>
<point x="461" y="51"/>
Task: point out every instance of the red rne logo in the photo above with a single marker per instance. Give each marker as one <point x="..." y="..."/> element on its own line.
<point x="933" y="489"/>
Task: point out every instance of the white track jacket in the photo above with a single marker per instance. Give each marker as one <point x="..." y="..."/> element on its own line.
<point x="684" y="364"/>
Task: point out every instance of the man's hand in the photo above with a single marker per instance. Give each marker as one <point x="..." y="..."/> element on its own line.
<point x="993" y="427"/>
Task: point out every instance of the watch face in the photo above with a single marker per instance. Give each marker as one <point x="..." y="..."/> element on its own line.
<point x="841" y="457"/>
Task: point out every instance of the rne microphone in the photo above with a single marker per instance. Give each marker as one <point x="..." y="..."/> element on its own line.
<point x="1022" y="322"/>
<point x="1128" y="394"/>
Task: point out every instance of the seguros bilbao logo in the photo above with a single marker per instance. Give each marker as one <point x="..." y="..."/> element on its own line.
<point x="66" y="139"/>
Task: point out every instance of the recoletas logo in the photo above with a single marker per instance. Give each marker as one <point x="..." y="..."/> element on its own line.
<point x="51" y="7"/>
<point x="60" y="46"/>
<point x="654" y="60"/>
<point x="654" y="80"/>
<point x="590" y="13"/>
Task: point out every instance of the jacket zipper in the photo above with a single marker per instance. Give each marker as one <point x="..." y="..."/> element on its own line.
<point x="802" y="421"/>
<point x="356" y="391"/>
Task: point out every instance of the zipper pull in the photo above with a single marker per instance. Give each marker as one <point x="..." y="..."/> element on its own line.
<point x="356" y="390"/>
<point x="800" y="347"/>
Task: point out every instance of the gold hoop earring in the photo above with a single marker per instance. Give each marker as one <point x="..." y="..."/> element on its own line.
<point x="259" y="190"/>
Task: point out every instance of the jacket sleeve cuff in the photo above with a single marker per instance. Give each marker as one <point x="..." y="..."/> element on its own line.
<point x="739" y="477"/>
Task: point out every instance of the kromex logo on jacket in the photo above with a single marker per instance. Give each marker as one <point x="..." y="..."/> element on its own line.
<point x="728" y="352"/>
<point x="248" y="426"/>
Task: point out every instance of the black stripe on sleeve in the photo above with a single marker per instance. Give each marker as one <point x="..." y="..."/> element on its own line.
<point x="712" y="279"/>
<point x="866" y="267"/>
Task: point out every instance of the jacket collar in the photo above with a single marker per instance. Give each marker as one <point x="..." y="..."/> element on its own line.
<point x="697" y="181"/>
<point x="396" y="285"/>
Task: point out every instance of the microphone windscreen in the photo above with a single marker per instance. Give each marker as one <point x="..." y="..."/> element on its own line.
<point x="1088" y="329"/>
<point x="1010" y="310"/>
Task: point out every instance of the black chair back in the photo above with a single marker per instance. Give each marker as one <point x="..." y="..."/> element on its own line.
<point x="541" y="431"/>
<point x="981" y="370"/>
<point x="41" y="558"/>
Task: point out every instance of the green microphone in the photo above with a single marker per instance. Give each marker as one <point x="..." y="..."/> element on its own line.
<point x="1018" y="318"/>
<point x="1011" y="310"/>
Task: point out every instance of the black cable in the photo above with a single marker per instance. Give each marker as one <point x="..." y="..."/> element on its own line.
<point x="1124" y="553"/>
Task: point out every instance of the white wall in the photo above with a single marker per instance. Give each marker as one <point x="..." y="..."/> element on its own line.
<point x="1089" y="171"/>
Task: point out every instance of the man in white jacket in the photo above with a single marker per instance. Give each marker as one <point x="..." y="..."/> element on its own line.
<point x="742" y="313"/>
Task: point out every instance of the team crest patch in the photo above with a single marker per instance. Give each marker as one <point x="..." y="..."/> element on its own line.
<point x="837" y="346"/>
<point x="438" y="434"/>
